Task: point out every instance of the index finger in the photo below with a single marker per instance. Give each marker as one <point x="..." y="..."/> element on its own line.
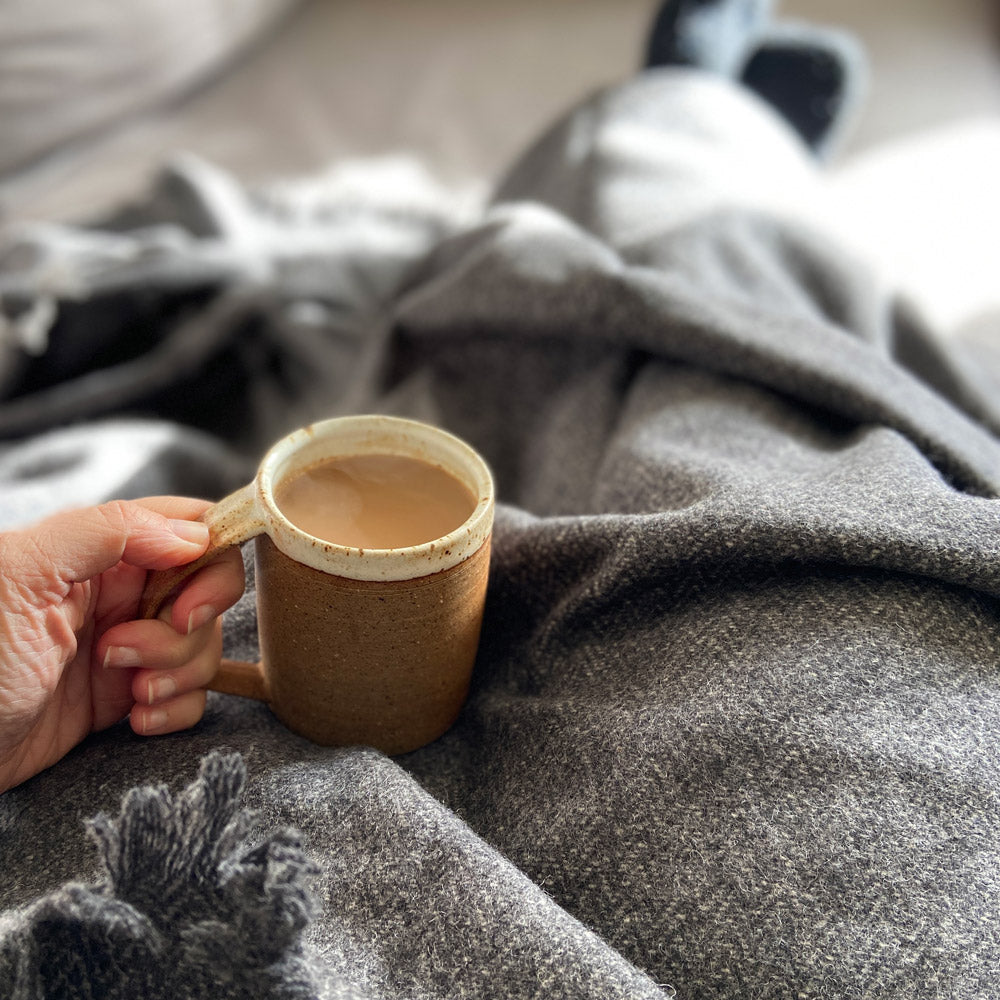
<point x="214" y="588"/>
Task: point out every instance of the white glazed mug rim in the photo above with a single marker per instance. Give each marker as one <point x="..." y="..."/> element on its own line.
<point x="367" y="434"/>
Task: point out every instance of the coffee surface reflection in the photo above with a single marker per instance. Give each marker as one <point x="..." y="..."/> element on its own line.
<point x="375" y="501"/>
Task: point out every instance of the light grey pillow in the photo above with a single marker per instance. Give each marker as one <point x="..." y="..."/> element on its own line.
<point x="71" y="67"/>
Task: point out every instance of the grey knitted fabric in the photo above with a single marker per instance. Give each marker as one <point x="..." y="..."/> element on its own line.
<point x="733" y="726"/>
<point x="187" y="905"/>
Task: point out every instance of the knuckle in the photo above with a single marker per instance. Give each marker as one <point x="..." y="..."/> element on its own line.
<point x="116" y="513"/>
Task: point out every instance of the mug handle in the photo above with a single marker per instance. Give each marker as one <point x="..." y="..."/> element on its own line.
<point x="233" y="520"/>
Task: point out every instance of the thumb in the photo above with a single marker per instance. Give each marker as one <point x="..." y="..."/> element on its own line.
<point x="79" y="544"/>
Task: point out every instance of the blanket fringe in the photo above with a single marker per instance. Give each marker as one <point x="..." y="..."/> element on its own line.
<point x="189" y="905"/>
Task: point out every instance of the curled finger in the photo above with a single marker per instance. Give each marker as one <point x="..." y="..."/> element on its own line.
<point x="212" y="590"/>
<point x="168" y="716"/>
<point x="153" y="686"/>
<point x="152" y="644"/>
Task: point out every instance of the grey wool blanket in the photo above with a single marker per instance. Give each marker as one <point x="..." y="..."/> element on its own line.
<point x="733" y="726"/>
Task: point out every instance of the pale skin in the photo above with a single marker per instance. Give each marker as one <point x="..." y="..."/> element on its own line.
<point x="73" y="657"/>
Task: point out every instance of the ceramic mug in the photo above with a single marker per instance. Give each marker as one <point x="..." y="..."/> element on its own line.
<point x="358" y="646"/>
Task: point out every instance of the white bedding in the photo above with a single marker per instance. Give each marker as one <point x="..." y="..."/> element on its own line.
<point x="337" y="81"/>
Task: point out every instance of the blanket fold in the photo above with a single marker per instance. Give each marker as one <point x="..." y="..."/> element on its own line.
<point x="733" y="723"/>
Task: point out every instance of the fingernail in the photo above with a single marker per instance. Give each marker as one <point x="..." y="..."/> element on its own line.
<point x="122" y="656"/>
<point x="153" y="720"/>
<point x="160" y="688"/>
<point x="194" y="532"/>
<point x="200" y="616"/>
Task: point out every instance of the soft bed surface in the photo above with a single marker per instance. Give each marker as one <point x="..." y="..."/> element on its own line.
<point x="732" y="731"/>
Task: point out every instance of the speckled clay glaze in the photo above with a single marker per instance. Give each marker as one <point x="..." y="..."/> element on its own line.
<point x="361" y="436"/>
<point x="372" y="646"/>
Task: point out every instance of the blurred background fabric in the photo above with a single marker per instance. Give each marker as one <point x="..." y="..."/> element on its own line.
<point x="96" y="95"/>
<point x="738" y="676"/>
<point x="69" y="70"/>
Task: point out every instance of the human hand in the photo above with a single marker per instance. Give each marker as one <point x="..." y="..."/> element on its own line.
<point x="73" y="659"/>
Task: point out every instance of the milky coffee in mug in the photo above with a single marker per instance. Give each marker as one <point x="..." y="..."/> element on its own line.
<point x="372" y="543"/>
<point x="378" y="501"/>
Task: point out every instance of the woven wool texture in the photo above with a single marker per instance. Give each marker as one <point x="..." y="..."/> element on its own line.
<point x="732" y="728"/>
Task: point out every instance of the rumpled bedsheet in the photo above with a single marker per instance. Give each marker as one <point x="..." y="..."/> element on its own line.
<point x="733" y="726"/>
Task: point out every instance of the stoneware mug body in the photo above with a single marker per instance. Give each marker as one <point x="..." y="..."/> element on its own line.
<point x="358" y="646"/>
